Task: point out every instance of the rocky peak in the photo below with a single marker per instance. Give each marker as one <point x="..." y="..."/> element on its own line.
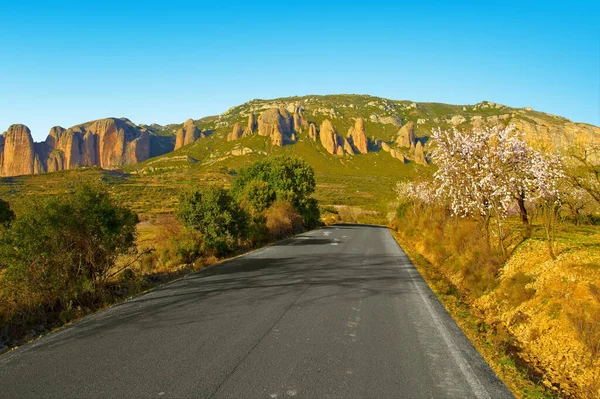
<point x="330" y="139"/>
<point x="55" y="134"/>
<point x="420" y="154"/>
<point x="187" y="134"/>
<point x="312" y="131"/>
<point x="179" y="139"/>
<point x="191" y="132"/>
<point x="406" y="135"/>
<point x="299" y="121"/>
<point x="19" y="153"/>
<point x="236" y="133"/>
<point x="251" y="125"/>
<point x="277" y="124"/>
<point x="105" y="143"/>
<point x="358" y="136"/>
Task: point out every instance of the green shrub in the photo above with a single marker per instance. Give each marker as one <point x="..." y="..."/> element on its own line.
<point x="6" y="214"/>
<point x="214" y="213"/>
<point x="256" y="196"/>
<point x="62" y="249"/>
<point x="287" y="178"/>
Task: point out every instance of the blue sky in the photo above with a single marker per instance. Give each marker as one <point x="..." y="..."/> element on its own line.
<point x="63" y="63"/>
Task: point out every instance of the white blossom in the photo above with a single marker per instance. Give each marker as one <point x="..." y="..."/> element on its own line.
<point x="481" y="173"/>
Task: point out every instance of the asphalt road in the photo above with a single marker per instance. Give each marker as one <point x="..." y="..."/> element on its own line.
<point x="339" y="312"/>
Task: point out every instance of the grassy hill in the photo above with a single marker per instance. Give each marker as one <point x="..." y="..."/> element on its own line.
<point x="364" y="181"/>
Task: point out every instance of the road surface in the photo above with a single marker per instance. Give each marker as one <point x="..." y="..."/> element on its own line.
<point x="338" y="312"/>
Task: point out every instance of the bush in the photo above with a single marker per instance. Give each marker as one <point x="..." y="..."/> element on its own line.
<point x="62" y="249"/>
<point x="256" y="196"/>
<point x="287" y="179"/>
<point x="308" y="208"/>
<point x="186" y="248"/>
<point x="6" y="214"/>
<point x="213" y="213"/>
<point x="283" y="220"/>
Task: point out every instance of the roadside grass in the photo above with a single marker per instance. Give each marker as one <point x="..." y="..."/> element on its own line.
<point x="493" y="345"/>
<point x="541" y="316"/>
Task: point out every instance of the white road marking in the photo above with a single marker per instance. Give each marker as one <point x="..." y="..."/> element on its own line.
<point x="464" y="367"/>
<point x="327" y="233"/>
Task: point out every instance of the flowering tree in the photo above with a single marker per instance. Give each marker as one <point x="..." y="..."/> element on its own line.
<point x="421" y="193"/>
<point x="482" y="173"/>
<point x="546" y="172"/>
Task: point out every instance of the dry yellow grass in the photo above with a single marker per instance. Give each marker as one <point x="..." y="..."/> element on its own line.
<point x="557" y="324"/>
<point x="545" y="313"/>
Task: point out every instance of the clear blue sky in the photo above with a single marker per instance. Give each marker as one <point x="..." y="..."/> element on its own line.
<point x="63" y="63"/>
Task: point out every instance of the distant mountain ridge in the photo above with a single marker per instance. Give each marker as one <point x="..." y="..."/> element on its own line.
<point x="342" y="125"/>
<point x="106" y="143"/>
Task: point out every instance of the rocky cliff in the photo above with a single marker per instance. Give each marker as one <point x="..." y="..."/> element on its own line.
<point x="392" y="128"/>
<point x="105" y="143"/>
<point x="277" y="124"/>
<point x="187" y="134"/>
<point x="332" y="142"/>
<point x="358" y="136"/>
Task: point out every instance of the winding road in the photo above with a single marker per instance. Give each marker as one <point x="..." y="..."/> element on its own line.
<point x="335" y="313"/>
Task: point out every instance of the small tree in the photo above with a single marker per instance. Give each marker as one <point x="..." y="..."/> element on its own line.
<point x="288" y="179"/>
<point x="215" y="214"/>
<point x="547" y="173"/>
<point x="63" y="248"/>
<point x="470" y="174"/>
<point x="6" y="214"/>
<point x="482" y="173"/>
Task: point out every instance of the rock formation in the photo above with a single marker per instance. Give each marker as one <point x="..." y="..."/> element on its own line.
<point x="312" y="131"/>
<point x="330" y="139"/>
<point x="277" y="124"/>
<point x="236" y="133"/>
<point x="187" y="134"/>
<point x="191" y="132"/>
<point x="358" y="136"/>
<point x="19" y="153"/>
<point x="406" y="135"/>
<point x="179" y="139"/>
<point x="236" y="152"/>
<point x="457" y="120"/>
<point x="420" y="154"/>
<point x="251" y="125"/>
<point x="348" y="148"/>
<point x="277" y="137"/>
<point x="397" y="154"/>
<point x="106" y="143"/>
<point x="299" y="121"/>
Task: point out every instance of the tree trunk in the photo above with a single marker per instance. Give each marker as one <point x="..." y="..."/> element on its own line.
<point x="522" y="209"/>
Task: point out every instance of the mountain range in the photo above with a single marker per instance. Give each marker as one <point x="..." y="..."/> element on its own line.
<point x="335" y="126"/>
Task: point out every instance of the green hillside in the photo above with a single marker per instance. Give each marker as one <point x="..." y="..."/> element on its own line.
<point x="365" y="181"/>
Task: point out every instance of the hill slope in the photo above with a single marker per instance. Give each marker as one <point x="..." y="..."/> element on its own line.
<point x="394" y="131"/>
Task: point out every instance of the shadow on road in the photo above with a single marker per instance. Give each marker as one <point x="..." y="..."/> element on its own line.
<point x="247" y="282"/>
